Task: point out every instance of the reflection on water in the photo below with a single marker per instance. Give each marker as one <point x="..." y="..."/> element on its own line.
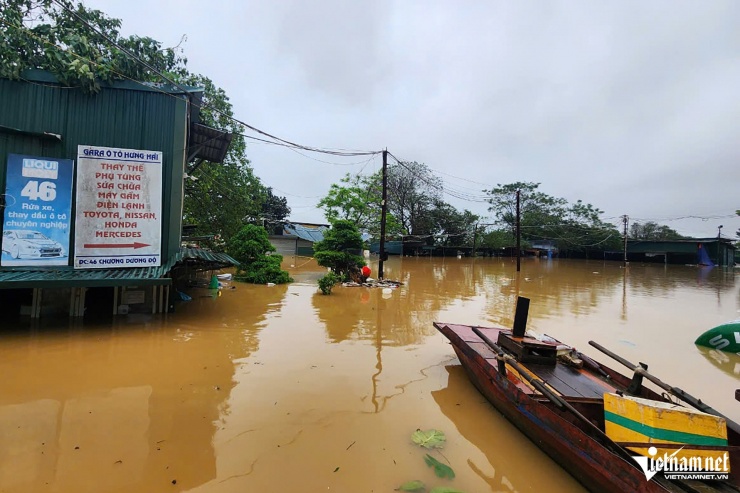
<point x="502" y="454"/>
<point x="283" y="389"/>
<point x="727" y="362"/>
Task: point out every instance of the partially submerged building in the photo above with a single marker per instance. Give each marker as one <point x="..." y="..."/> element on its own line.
<point x="92" y="194"/>
<point x="699" y="251"/>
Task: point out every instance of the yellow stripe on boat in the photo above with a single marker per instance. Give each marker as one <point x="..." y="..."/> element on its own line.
<point x="633" y="419"/>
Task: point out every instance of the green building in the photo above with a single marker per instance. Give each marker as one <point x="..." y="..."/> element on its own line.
<point x="703" y="251"/>
<point x="92" y="194"/>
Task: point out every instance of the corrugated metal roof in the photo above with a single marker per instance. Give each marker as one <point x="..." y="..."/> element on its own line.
<point x="69" y="277"/>
<point x="216" y="260"/>
<point x="304" y="233"/>
<point x="312" y="234"/>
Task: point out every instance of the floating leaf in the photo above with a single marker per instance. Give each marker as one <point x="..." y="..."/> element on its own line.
<point x="444" y="489"/>
<point x="429" y="438"/>
<point x="441" y="470"/>
<point x="414" y="485"/>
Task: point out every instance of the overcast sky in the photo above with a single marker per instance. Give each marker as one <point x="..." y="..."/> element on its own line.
<point x="632" y="106"/>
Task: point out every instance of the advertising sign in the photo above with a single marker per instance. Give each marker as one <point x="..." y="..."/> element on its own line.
<point x="38" y="209"/>
<point x="119" y="208"/>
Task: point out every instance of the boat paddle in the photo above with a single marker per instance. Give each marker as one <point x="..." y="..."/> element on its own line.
<point x="555" y="399"/>
<point x="689" y="399"/>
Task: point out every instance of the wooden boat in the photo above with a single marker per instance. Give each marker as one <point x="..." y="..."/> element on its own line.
<point x="559" y="403"/>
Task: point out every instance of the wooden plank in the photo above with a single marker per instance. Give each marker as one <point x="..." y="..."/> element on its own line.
<point x="569" y="381"/>
<point x="482" y="349"/>
<point x="465" y="332"/>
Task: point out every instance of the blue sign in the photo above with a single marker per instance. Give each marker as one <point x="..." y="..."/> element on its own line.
<point x="38" y="210"/>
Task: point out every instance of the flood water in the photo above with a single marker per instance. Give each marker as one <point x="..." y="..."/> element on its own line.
<point x="282" y="389"/>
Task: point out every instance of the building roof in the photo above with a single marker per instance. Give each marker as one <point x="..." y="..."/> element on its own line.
<point x="309" y="234"/>
<point x="65" y="277"/>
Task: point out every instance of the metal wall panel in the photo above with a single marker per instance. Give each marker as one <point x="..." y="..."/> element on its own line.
<point x="120" y="115"/>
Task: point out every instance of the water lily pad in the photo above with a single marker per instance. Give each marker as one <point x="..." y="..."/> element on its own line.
<point x="429" y="438"/>
<point x="441" y="470"/>
<point x="414" y="485"/>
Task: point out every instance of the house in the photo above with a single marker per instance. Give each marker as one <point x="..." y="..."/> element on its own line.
<point x="92" y="192"/>
<point x="703" y="251"/>
<point x="297" y="239"/>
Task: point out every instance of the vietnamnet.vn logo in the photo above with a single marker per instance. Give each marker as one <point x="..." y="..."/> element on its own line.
<point x="691" y="467"/>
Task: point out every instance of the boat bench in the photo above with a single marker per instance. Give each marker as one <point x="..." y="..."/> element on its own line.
<point x="529" y="350"/>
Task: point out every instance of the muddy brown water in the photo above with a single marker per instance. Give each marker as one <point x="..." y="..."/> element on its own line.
<point x="282" y="389"/>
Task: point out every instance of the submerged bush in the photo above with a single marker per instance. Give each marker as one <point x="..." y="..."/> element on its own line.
<point x="327" y="282"/>
<point x="257" y="262"/>
<point x="336" y="249"/>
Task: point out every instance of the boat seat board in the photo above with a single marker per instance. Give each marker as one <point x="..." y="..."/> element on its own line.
<point x="570" y="382"/>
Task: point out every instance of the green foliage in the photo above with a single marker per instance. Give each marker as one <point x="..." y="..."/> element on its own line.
<point x="575" y="227"/>
<point x="444" y="489"/>
<point x="497" y="238"/>
<point x="441" y="470"/>
<point x="221" y="197"/>
<point x="55" y="36"/>
<point x="429" y="438"/>
<point x="252" y="250"/>
<point x="327" y="282"/>
<point x="455" y="227"/>
<point x="414" y="205"/>
<point x="412" y="193"/>
<point x="275" y="208"/>
<point x="358" y="198"/>
<point x="414" y="485"/>
<point x="265" y="270"/>
<point x="334" y="250"/>
<point x="653" y="231"/>
<point x="49" y="35"/>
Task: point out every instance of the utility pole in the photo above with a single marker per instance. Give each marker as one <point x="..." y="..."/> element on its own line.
<point x="625" y="221"/>
<point x="475" y="237"/>
<point x="518" y="234"/>
<point x="383" y="209"/>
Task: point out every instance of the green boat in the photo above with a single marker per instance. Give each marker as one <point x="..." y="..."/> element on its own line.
<point x="725" y="337"/>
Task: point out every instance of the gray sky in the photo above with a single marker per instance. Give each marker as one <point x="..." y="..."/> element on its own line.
<point x="631" y="106"/>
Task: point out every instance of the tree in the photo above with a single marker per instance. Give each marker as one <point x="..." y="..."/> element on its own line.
<point x="275" y="208"/>
<point x="576" y="227"/>
<point x="63" y="39"/>
<point x="457" y="228"/>
<point x="46" y="35"/>
<point x="653" y="231"/>
<point x="257" y="262"/>
<point x="336" y="249"/>
<point x="536" y="208"/>
<point x="358" y="198"/>
<point x="497" y="239"/>
<point x="221" y="197"/>
<point x="412" y="192"/>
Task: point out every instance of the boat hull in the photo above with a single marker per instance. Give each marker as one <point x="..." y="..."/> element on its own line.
<point x="725" y="337"/>
<point x="591" y="463"/>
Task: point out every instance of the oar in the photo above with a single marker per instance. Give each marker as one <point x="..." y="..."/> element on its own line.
<point x="555" y="399"/>
<point x="689" y="399"/>
<point x="536" y="382"/>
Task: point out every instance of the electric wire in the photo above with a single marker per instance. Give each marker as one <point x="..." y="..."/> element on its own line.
<point x="335" y="152"/>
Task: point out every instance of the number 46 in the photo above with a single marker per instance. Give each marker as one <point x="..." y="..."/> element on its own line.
<point x="46" y="190"/>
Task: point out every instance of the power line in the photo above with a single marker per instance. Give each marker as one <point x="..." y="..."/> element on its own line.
<point x="336" y="152"/>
